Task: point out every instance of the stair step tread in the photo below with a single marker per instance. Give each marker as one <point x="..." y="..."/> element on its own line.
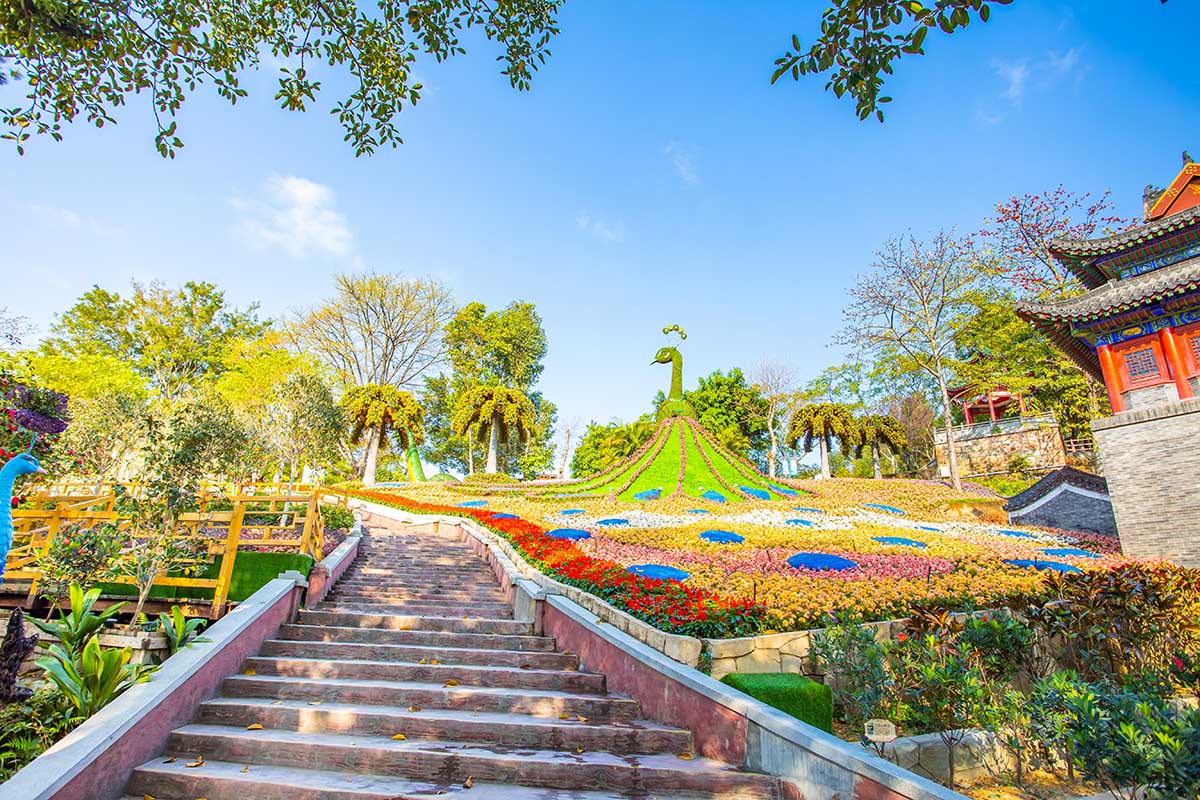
<point x="515" y="678"/>
<point x="480" y="691"/>
<point x="225" y="780"/>
<point x="401" y="714"/>
<point x="447" y="655"/>
<point x="537" y="643"/>
<point x="451" y="670"/>
<point x="464" y="750"/>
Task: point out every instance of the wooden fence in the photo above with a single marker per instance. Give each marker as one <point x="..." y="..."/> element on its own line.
<point x="228" y="516"/>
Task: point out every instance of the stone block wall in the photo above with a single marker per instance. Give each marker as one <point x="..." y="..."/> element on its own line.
<point x="985" y="455"/>
<point x="1151" y="459"/>
<point x="1070" y="510"/>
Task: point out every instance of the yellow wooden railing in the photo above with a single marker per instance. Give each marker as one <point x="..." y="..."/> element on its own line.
<point x="228" y="516"/>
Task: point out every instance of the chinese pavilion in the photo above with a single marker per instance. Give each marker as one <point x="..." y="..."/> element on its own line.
<point x="1137" y="328"/>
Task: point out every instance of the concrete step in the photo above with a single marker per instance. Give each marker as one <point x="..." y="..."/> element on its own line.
<point x="445" y="608"/>
<point x="483" y="641"/>
<point x="505" y="730"/>
<point x="467" y="675"/>
<point x="224" y="780"/>
<point x="410" y="694"/>
<point x="456" y="763"/>
<point x="413" y="654"/>
<point x="408" y="622"/>
<point x="491" y="593"/>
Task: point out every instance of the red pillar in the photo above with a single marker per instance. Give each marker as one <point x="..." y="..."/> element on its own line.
<point x="1112" y="378"/>
<point x="991" y="407"/>
<point x="1175" y="361"/>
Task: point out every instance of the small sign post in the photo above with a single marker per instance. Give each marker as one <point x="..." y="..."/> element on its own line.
<point x="879" y="730"/>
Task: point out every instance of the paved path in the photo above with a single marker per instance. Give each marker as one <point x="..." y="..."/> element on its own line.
<point x="413" y="681"/>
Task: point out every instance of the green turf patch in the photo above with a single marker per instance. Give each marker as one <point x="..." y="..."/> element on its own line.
<point x="803" y="698"/>
<point x="251" y="572"/>
<point x="663" y="471"/>
<point x="696" y="472"/>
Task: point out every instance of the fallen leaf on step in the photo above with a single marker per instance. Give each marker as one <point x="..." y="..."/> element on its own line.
<point x="170" y="760"/>
<point x="434" y="661"/>
<point x="414" y="709"/>
<point x="527" y="666"/>
<point x="450" y="682"/>
<point x="422" y="661"/>
<point x="254" y="727"/>
<point x="564" y="716"/>
<point x="199" y="762"/>
<point x="578" y="749"/>
<point x="581" y="717"/>
<point x="315" y="702"/>
<point x="245" y="768"/>
<point x="685" y="756"/>
<point x="399" y="737"/>
<point x="468" y="783"/>
<point x="250" y="671"/>
<point x="568" y="653"/>
<point x="276" y="702"/>
<point x="148" y="797"/>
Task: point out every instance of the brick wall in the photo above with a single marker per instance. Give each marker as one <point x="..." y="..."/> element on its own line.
<point x="1151" y="459"/>
<point x="991" y="454"/>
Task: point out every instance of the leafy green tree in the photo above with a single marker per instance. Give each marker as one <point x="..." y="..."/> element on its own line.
<point x="602" y="446"/>
<point x="821" y="423"/>
<point x="85" y="59"/>
<point x="104" y="434"/>
<point x="861" y="40"/>
<point x="876" y="431"/>
<point x="492" y="413"/>
<point x="174" y="339"/>
<point x="381" y="412"/>
<point x="999" y="348"/>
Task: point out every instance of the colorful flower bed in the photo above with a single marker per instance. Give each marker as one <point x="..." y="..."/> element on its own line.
<point x="888" y="562"/>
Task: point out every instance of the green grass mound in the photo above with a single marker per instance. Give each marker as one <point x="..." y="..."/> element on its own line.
<point x="803" y="698"/>
<point x="251" y="572"/>
<point x="681" y="458"/>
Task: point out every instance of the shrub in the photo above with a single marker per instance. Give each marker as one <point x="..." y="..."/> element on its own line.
<point x="77" y="627"/>
<point x="28" y="729"/>
<point x="80" y="555"/>
<point x="179" y="630"/>
<point x="337" y="517"/>
<point x="1003" y="644"/>
<point x="443" y="477"/>
<point x="96" y="677"/>
<point x="489" y="478"/>
<point x="803" y="698"/>
<point x="857" y="663"/>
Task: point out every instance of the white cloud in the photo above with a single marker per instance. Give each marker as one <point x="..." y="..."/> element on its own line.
<point x="1064" y="64"/>
<point x="601" y="229"/>
<point x="295" y="214"/>
<point x="1016" y="75"/>
<point x="72" y="220"/>
<point x="684" y="160"/>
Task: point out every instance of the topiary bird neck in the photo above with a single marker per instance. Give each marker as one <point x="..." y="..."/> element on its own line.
<point x="676" y="392"/>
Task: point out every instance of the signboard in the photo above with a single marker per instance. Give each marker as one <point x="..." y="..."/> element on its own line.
<point x="879" y="730"/>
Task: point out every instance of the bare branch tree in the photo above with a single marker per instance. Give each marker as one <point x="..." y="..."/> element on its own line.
<point x="775" y="380"/>
<point x="915" y="301"/>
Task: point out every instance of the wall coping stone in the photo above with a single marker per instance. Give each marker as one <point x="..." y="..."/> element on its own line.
<point x="1159" y="411"/>
<point x="52" y="771"/>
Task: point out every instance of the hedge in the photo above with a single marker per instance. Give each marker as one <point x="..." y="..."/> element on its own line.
<point x="251" y="572"/>
<point x="803" y="698"/>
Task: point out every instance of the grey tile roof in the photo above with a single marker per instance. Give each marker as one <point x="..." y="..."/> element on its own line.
<point x="1051" y="481"/>
<point x="1083" y="248"/>
<point x="1118" y="295"/>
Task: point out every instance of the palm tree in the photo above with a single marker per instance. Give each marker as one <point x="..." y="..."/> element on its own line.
<point x="379" y="411"/>
<point x="823" y="422"/>
<point x="877" y="431"/>
<point x="497" y="410"/>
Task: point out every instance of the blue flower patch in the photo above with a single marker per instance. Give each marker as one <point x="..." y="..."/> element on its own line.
<point x="889" y="509"/>
<point x="698" y="511"/>
<point x="505" y="516"/>
<point x="807" y="510"/>
<point x="659" y="572"/>
<point x="820" y="561"/>
<point x="761" y="494"/>
<point x="612" y="522"/>
<point x="570" y="534"/>
<point x="714" y="496"/>
<point x="473" y="504"/>
<point x="569" y="511"/>
<point x="649" y="494"/>
<point x="1037" y="563"/>
<point x="899" y="540"/>
<point x="800" y="523"/>
<point x="723" y="537"/>
<point x="1069" y="551"/>
<point x="1014" y="534"/>
<point x="783" y="491"/>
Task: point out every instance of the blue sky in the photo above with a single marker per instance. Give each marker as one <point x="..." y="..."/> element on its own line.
<point x="652" y="176"/>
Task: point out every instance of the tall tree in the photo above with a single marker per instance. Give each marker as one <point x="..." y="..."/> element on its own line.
<point x="175" y="339"/>
<point x="602" y="446"/>
<point x="876" y="431"/>
<point x="821" y="423"/>
<point x="731" y="408"/>
<point x="378" y="412"/>
<point x="775" y="382"/>
<point x="85" y="59"/>
<point x="916" y="301"/>
<point x="1023" y="227"/>
<point x="495" y="413"/>
<point x="377" y="329"/>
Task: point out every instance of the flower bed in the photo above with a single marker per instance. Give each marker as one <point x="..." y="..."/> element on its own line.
<point x="888" y="562"/>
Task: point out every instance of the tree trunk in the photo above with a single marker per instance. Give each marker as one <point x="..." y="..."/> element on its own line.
<point x="825" y="457"/>
<point x="771" y="454"/>
<point x="875" y="461"/>
<point x="562" y="464"/>
<point x="372" y="458"/>
<point x="951" y="453"/>
<point x="493" y="445"/>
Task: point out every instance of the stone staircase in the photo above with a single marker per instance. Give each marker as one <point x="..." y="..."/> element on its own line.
<point x="413" y="681"/>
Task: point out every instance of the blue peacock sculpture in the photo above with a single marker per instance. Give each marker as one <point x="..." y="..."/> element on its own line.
<point x="21" y="464"/>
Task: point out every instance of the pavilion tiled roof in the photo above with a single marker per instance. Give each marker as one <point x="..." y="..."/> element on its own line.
<point x="1078" y="254"/>
<point x="1051" y="481"/>
<point x="1115" y="297"/>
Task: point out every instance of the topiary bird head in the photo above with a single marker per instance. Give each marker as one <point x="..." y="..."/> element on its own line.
<point x="664" y="355"/>
<point x="24" y="464"/>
